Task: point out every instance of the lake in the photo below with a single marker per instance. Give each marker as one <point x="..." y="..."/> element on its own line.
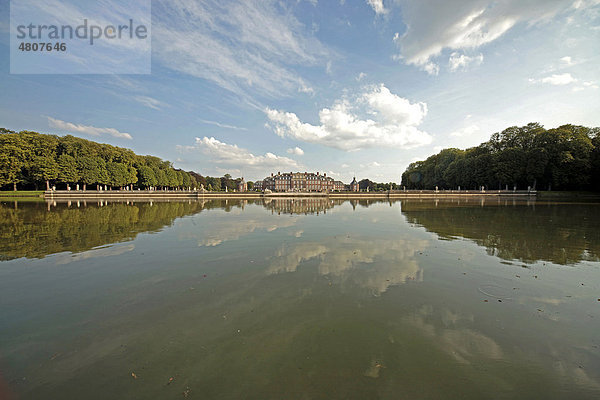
<point x="300" y="299"/>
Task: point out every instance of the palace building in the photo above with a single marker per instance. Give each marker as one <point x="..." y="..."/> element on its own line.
<point x="300" y="182"/>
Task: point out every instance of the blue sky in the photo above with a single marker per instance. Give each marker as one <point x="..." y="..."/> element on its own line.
<point x="348" y="88"/>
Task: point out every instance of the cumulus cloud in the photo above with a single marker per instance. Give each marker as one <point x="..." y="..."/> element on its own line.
<point x="234" y="156"/>
<point x="431" y="68"/>
<point x="556" y="79"/>
<point x="559" y="79"/>
<point x="296" y="150"/>
<point x="250" y="45"/>
<point x="377" y="6"/>
<point x="376" y="117"/>
<point x="459" y="61"/>
<point x="433" y="26"/>
<point x="86" y="129"/>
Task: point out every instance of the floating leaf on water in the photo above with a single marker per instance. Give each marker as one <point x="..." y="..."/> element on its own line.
<point x="133" y="375"/>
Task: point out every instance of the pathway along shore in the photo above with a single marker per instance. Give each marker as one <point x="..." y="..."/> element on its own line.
<point x="197" y="194"/>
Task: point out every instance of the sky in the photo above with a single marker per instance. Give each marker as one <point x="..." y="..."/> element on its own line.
<point x="345" y="87"/>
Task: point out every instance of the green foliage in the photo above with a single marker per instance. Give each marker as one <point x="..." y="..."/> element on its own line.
<point x="147" y="177"/>
<point x="171" y="178"/>
<point x="563" y="158"/>
<point x="118" y="174"/>
<point x="33" y="159"/>
<point x="11" y="160"/>
<point x="67" y="169"/>
<point x="213" y="183"/>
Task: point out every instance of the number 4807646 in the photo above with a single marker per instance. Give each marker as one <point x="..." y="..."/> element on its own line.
<point x="25" y="46"/>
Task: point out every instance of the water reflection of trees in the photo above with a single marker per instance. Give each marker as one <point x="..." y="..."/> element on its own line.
<point x="31" y="230"/>
<point x="560" y="233"/>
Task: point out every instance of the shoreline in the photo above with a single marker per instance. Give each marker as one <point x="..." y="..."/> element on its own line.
<point x="183" y="195"/>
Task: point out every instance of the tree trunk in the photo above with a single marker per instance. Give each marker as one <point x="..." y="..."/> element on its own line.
<point x="47" y="185"/>
<point x="15" y="186"/>
<point x="84" y="187"/>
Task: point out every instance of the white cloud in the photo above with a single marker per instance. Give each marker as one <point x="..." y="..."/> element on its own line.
<point x="239" y="46"/>
<point x="377" y="6"/>
<point x="150" y="102"/>
<point x="431" y="68"/>
<point x="305" y="89"/>
<point x="558" y="79"/>
<point x="296" y="150"/>
<point x="374" y="118"/>
<point x="433" y="26"/>
<point x="361" y="76"/>
<point x="461" y="61"/>
<point x="86" y="129"/>
<point x="580" y="4"/>
<point x="234" y="156"/>
<point x="220" y="125"/>
<point x="466" y="131"/>
<point x="566" y="60"/>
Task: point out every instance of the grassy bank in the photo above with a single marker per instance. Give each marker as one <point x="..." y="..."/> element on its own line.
<point x="21" y="193"/>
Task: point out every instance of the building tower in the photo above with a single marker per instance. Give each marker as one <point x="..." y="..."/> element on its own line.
<point x="354" y="185"/>
<point x="242" y="186"/>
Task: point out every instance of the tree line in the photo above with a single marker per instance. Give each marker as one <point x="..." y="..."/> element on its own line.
<point x="563" y="158"/>
<point x="34" y="160"/>
<point x="367" y="184"/>
<point x="220" y="184"/>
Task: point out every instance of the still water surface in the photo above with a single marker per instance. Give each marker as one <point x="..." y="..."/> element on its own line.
<point x="300" y="299"/>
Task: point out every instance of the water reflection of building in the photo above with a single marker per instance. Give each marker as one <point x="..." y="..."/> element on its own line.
<point x="301" y="182"/>
<point x="300" y="206"/>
